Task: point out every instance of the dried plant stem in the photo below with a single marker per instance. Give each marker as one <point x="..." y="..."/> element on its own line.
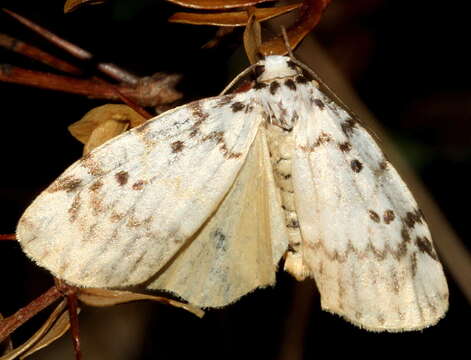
<point x="33" y="52"/>
<point x="13" y="322"/>
<point x="74" y="323"/>
<point x="90" y="88"/>
<point x="109" y="69"/>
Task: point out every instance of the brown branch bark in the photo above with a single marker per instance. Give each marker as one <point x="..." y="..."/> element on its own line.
<point x="151" y="91"/>
<point x="33" y="52"/>
<point x="109" y="69"/>
<point x="74" y="323"/>
<point x="13" y="322"/>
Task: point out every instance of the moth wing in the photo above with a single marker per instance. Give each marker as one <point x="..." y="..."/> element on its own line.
<point x="118" y="215"/>
<point x="365" y="241"/>
<point x="239" y="247"/>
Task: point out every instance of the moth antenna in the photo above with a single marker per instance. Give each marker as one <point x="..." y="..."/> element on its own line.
<point x="285" y="38"/>
<point x="237" y="79"/>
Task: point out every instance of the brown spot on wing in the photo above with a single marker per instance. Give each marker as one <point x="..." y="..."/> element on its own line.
<point x="405" y="234"/>
<point x="115" y="217"/>
<point x="89" y="163"/>
<point x="122" y="177"/>
<point x="319" y="103"/>
<point x="96" y="185"/>
<point x="356" y="165"/>
<point x="197" y="111"/>
<point x="425" y="246"/>
<point x="139" y="185"/>
<point x="218" y="137"/>
<point x="323" y="138"/>
<point x="388" y="216"/>
<point x="259" y="85"/>
<point x="65" y="183"/>
<point x="413" y="264"/>
<point x="199" y="115"/>
<point x="412" y="218"/>
<point x="237" y="106"/>
<point x="74" y="208"/>
<point x="289" y="83"/>
<point x="345" y="146"/>
<point x="301" y="79"/>
<point x="374" y="216"/>
<point x="348" y="126"/>
<point x="177" y="146"/>
<point x="274" y="86"/>
<point x="133" y="222"/>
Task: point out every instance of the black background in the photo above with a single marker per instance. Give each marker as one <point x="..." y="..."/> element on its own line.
<point x="410" y="64"/>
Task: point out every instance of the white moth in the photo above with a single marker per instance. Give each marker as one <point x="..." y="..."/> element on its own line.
<point x="204" y="200"/>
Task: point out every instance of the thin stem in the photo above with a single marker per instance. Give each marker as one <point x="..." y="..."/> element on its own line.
<point x="74" y="323"/>
<point x="154" y="92"/>
<point x="13" y="322"/>
<point x="33" y="52"/>
<point x="109" y="69"/>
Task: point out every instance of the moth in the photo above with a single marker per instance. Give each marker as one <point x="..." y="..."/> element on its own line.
<point x="206" y="199"/>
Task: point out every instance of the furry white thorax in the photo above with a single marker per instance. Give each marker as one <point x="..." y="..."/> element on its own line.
<point x="276" y="67"/>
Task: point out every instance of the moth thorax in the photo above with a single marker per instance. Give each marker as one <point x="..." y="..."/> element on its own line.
<point x="281" y="146"/>
<point x="276" y="67"/>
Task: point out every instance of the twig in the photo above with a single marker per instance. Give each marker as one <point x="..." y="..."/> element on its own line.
<point x="13" y="322"/>
<point x="7" y="237"/>
<point x="33" y="52"/>
<point x="109" y="69"/>
<point x="140" y="110"/>
<point x="149" y="92"/>
<point x="74" y="323"/>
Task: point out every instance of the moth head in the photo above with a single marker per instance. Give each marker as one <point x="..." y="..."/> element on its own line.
<point x="276" y="67"/>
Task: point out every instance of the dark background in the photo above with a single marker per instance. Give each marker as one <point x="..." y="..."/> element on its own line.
<point x="409" y="62"/>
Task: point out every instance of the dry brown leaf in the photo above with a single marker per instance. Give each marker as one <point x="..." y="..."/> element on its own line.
<point x="71" y="5"/>
<point x="103" y="123"/>
<point x="104" y="297"/>
<point x="233" y="18"/>
<point x="311" y="13"/>
<point x="54" y="327"/>
<point x="252" y="39"/>
<point x="217" y="4"/>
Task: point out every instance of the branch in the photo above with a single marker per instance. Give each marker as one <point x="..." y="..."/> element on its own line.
<point x="150" y="91"/>
<point x="37" y="54"/>
<point x="13" y="322"/>
<point x="109" y="69"/>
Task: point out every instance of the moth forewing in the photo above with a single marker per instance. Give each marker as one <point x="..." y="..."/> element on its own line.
<point x="118" y="215"/>
<point x="363" y="232"/>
